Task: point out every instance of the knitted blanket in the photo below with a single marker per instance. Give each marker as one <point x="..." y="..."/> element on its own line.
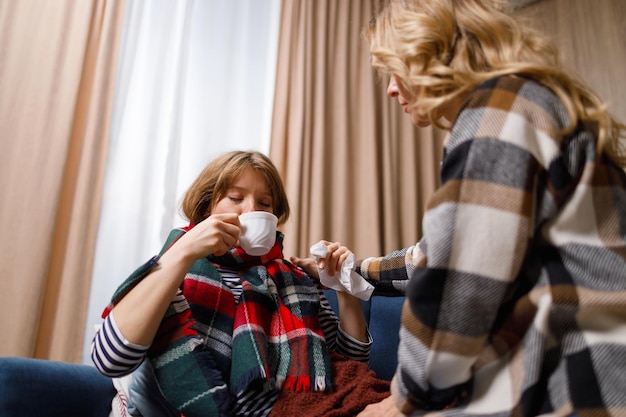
<point x="209" y="348"/>
<point x="356" y="386"/>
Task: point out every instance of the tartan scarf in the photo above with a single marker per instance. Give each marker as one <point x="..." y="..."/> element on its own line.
<point x="272" y="338"/>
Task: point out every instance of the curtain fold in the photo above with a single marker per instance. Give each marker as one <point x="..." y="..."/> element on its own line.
<point x="57" y="76"/>
<point x="355" y="169"/>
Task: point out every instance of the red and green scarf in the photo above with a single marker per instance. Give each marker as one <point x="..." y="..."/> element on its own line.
<point x="209" y="348"/>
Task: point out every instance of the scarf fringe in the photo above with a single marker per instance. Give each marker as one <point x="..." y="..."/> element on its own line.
<point x="306" y="383"/>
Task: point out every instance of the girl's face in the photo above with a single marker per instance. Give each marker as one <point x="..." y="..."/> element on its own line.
<point x="249" y="192"/>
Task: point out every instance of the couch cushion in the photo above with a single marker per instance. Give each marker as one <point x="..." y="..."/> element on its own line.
<point x="382" y="314"/>
<point x="384" y="326"/>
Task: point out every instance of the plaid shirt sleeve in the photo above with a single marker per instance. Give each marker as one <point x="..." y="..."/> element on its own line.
<point x="390" y="273"/>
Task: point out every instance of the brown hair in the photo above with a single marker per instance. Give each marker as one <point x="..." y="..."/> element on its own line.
<point x="218" y="176"/>
<point x="439" y="50"/>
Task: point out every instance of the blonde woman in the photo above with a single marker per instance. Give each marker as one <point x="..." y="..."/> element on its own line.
<point x="519" y="307"/>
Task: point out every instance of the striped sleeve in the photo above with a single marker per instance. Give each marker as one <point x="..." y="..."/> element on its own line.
<point x="253" y="402"/>
<point x="336" y="339"/>
<point x="112" y="354"/>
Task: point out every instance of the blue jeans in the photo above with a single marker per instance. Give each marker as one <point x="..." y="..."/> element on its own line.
<point x="41" y="388"/>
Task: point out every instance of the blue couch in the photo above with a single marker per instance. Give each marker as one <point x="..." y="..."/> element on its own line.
<point x="40" y="388"/>
<point x="382" y="314"/>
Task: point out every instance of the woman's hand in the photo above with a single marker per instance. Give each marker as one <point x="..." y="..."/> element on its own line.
<point x="335" y="257"/>
<point x="385" y="408"/>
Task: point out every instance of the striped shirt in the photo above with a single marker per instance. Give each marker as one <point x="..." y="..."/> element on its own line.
<point x="116" y="357"/>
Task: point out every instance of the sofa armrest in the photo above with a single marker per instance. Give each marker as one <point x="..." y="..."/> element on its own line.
<point x="42" y="388"/>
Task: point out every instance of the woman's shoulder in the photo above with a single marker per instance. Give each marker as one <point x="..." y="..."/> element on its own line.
<point x="509" y="93"/>
<point x="511" y="109"/>
<point x="500" y="102"/>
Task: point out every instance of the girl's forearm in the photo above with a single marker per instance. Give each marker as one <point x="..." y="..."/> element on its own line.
<point x="351" y="317"/>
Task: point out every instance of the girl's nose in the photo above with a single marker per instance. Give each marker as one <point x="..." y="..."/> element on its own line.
<point x="392" y="87"/>
<point x="248" y="206"/>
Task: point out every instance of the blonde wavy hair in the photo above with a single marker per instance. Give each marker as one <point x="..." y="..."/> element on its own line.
<point x="439" y="50"/>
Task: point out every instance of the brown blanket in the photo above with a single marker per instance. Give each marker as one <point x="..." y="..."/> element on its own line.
<point x="355" y="386"/>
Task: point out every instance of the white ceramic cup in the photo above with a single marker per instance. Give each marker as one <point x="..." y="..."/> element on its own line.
<point x="258" y="232"/>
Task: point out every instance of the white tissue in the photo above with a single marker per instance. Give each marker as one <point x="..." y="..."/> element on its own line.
<point x="347" y="281"/>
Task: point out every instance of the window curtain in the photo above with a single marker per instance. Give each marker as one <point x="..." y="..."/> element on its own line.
<point x="57" y="66"/>
<point x="356" y="170"/>
<point x="196" y="79"/>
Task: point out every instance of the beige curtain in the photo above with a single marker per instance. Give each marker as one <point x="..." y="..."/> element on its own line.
<point x="591" y="37"/>
<point x="355" y="169"/>
<point x="57" y="72"/>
